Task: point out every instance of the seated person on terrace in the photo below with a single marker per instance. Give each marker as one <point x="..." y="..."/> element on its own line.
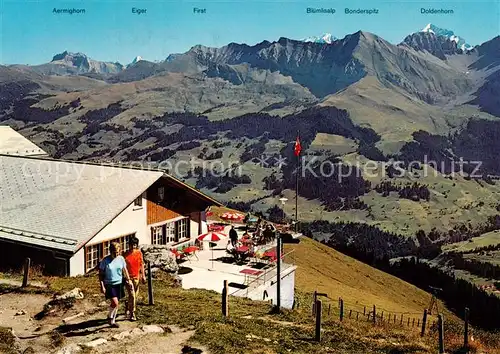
<point x="230" y="248"/>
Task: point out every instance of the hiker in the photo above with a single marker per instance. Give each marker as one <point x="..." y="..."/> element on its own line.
<point x="135" y="268"/>
<point x="112" y="271"/>
<point x="233" y="236"/>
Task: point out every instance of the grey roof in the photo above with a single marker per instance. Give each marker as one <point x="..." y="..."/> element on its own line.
<point x="62" y="204"/>
<point x="13" y="143"/>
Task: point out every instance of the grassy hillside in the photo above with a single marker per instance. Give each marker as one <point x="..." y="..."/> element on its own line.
<point x="488" y="239"/>
<point x="328" y="271"/>
<point x="252" y="328"/>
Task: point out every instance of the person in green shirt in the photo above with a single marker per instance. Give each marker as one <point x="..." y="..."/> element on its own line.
<point x="112" y="272"/>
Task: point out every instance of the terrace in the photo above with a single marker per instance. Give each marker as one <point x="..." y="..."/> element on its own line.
<point x="254" y="277"/>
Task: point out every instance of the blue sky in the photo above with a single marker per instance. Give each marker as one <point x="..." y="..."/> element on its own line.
<point x="109" y="31"/>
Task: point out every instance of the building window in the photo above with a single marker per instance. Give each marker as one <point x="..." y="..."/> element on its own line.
<point x="105" y="247"/>
<point x="157" y="235"/>
<point x="92" y="256"/>
<point x="161" y="193"/>
<point x="170" y="232"/>
<point x="124" y="242"/>
<point x="94" y="253"/>
<point x="138" y="201"/>
<point x="182" y="229"/>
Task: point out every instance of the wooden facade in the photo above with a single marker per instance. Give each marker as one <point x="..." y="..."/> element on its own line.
<point x="157" y="213"/>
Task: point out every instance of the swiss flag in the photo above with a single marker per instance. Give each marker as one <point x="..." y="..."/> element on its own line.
<point x="297" y="147"/>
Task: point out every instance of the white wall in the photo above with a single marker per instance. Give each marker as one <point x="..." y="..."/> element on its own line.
<point x="193" y="229"/>
<point x="204" y="226"/>
<point x="77" y="263"/>
<point x="287" y="290"/>
<point x="132" y="220"/>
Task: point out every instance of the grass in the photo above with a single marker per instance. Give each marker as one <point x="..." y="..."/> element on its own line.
<point x="252" y="328"/>
<point x="325" y="270"/>
<point x="487" y="239"/>
<point x="7" y="341"/>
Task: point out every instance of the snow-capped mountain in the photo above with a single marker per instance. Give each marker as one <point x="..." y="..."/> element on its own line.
<point x="430" y="28"/>
<point x="135" y="61"/>
<point x="327" y="38"/>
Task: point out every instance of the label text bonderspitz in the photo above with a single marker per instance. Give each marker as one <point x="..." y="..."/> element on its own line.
<point x="361" y="11"/>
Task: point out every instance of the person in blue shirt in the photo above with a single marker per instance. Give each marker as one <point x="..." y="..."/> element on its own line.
<point x="112" y="272"/>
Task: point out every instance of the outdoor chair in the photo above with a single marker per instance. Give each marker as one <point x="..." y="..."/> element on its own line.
<point x="189" y="255"/>
<point x="179" y="257"/>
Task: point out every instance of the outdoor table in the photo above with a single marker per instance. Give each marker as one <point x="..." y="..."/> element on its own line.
<point x="272" y="254"/>
<point x="215" y="227"/>
<point x="249" y="273"/>
<point x="242" y="249"/>
<point x="241" y="252"/>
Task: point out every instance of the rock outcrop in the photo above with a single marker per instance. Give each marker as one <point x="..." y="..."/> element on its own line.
<point x="160" y="257"/>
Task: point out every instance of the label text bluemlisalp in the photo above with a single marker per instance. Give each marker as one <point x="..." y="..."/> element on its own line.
<point x="321" y="10"/>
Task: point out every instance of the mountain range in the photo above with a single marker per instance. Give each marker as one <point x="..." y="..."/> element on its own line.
<point x="431" y="81"/>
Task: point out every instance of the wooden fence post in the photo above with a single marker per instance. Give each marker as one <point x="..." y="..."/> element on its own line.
<point x="424" y="322"/>
<point x="382" y="316"/>
<point x="315" y="297"/>
<point x="329" y="308"/>
<point x="374" y="314"/>
<point x="27" y="265"/>
<point x="441" y="333"/>
<point x="466" y="328"/>
<point x="401" y="321"/>
<point x="408" y="324"/>
<point x="364" y="310"/>
<point x="357" y="315"/>
<point x="350" y="312"/>
<point x="225" y="299"/>
<point x="341" y="309"/>
<point x="150" y="286"/>
<point x="413" y="322"/>
<point x="389" y="319"/>
<point x="318" y="321"/>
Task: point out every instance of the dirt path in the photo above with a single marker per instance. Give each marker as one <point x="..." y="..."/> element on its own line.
<point x="17" y="311"/>
<point x="18" y="283"/>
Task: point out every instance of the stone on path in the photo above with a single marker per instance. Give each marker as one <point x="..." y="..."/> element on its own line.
<point x="70" y="349"/>
<point x="136" y="332"/>
<point x="121" y="335"/>
<point x="76" y="293"/>
<point x="95" y="343"/>
<point x="70" y="318"/>
<point x="152" y="329"/>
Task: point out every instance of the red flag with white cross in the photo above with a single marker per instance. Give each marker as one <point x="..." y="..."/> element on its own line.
<point x="298" y="148"/>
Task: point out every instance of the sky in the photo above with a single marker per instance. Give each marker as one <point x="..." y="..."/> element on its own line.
<point x="30" y="33"/>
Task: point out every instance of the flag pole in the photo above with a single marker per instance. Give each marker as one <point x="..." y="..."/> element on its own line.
<point x="297" y="190"/>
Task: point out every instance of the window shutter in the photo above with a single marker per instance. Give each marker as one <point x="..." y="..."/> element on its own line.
<point x="164" y="234"/>
<point x="152" y="241"/>
<point x="177" y="229"/>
